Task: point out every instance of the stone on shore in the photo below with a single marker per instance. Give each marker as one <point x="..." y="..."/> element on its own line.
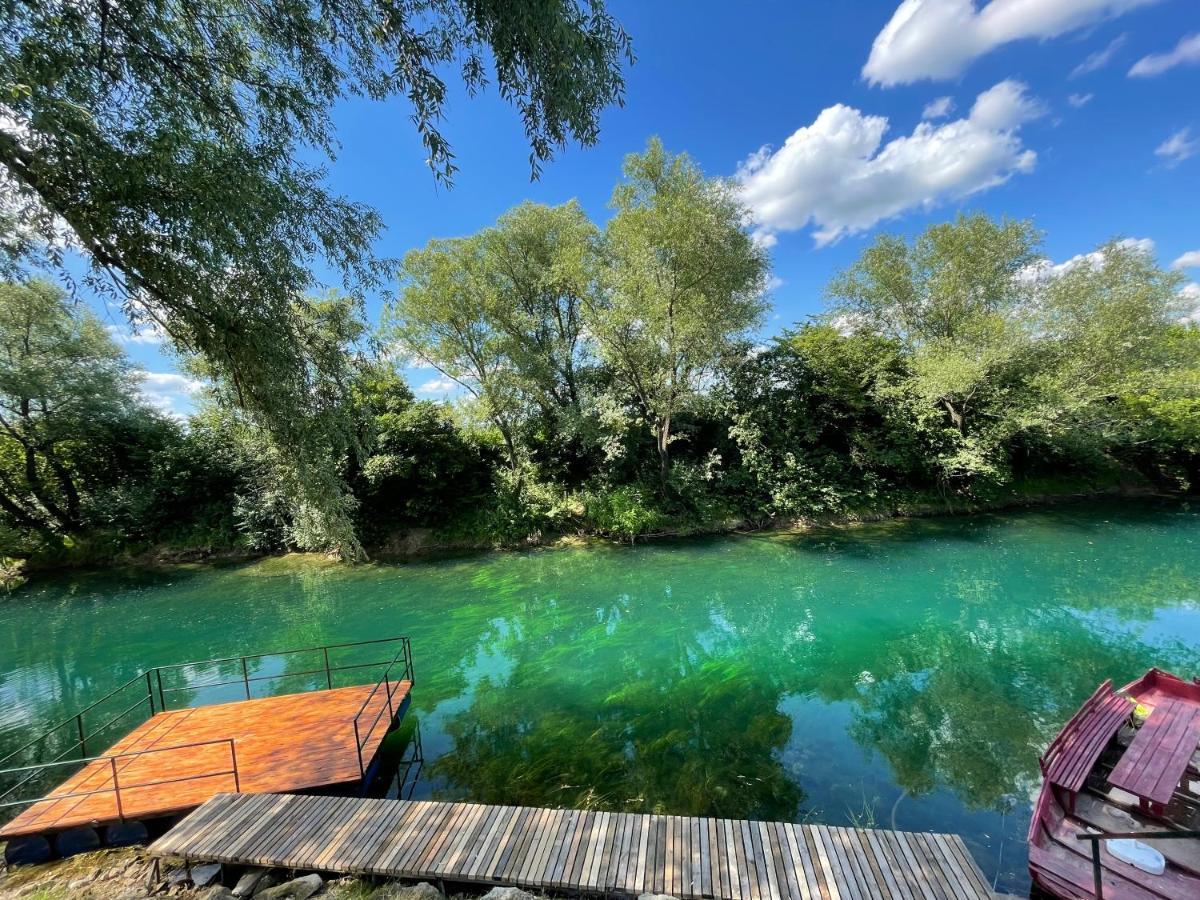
<point x="296" y="889"/>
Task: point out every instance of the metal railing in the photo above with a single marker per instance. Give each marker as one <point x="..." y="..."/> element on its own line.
<point x="1097" y="837"/>
<point x="361" y="740"/>
<point x="112" y="775"/>
<point x="158" y="690"/>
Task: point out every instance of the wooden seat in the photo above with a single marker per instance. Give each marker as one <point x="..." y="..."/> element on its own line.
<point x="1072" y="755"/>
<point x="1158" y="756"/>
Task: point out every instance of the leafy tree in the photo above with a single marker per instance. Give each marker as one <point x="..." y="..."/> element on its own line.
<point x="165" y="142"/>
<point x="682" y="285"/>
<point x="421" y="470"/>
<point x="540" y="267"/>
<point x="811" y="426"/>
<point x="445" y="316"/>
<point x="70" y="419"/>
<point x="948" y="298"/>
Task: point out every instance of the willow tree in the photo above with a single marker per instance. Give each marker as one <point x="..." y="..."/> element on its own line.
<point x="682" y="285"/>
<point x="67" y="398"/>
<point x="168" y="144"/>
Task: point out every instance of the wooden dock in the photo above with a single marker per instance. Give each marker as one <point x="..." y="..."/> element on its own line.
<point x="178" y="759"/>
<point x="576" y="850"/>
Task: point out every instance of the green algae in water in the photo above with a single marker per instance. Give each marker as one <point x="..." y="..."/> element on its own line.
<point x="901" y="674"/>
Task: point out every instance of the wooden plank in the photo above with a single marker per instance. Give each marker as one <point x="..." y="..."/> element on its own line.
<point x="591" y="852"/>
<point x="821" y="864"/>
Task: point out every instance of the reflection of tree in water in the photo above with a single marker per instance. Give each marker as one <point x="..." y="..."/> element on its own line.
<point x="971" y="708"/>
<point x="693" y="732"/>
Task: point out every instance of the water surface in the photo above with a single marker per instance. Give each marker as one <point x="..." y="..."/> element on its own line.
<point x="905" y="674"/>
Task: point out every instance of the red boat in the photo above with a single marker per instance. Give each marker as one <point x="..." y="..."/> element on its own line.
<point x="1124" y="768"/>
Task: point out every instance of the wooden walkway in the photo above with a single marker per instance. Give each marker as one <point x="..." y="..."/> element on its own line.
<point x="573" y="850"/>
<point x="176" y="760"/>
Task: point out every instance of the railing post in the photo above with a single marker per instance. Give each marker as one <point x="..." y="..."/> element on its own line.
<point x="162" y="698"/>
<point x="237" y="781"/>
<point x="150" y="692"/>
<point x="387" y="687"/>
<point x="362" y="771"/>
<point x="328" y="674"/>
<point x="1097" y="872"/>
<point x="116" y="788"/>
<point x="82" y="739"/>
<point x="246" y="677"/>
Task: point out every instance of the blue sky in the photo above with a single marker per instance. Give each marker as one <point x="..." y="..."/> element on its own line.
<point x="1082" y="115"/>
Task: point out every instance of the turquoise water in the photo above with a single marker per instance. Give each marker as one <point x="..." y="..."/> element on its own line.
<point x="902" y="674"/>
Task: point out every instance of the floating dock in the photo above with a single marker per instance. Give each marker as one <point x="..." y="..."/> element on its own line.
<point x="174" y="760"/>
<point x="576" y="850"/>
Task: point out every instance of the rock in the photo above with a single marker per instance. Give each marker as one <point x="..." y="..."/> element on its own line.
<point x="251" y="881"/>
<point x="202" y="876"/>
<point x="199" y="876"/>
<point x="396" y="891"/>
<point x="296" y="889"/>
<point x="217" y="892"/>
<point x="508" y="893"/>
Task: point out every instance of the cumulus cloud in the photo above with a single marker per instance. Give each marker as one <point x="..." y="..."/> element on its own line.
<point x="938" y="109"/>
<point x="1095" y="259"/>
<point x="938" y="39"/>
<point x="1189" y="260"/>
<point x="838" y="175"/>
<point x="1078" y="100"/>
<point x="774" y="283"/>
<point x="1100" y="58"/>
<point x="1186" y="53"/>
<point x="438" y="386"/>
<point x="1178" y="147"/>
<point x="169" y="392"/>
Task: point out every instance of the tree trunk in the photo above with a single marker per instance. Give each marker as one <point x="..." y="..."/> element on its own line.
<point x="956" y="418"/>
<point x="664" y="452"/>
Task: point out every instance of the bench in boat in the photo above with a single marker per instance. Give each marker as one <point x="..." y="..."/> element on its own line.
<point x="1071" y="756"/>
<point x="1159" y="753"/>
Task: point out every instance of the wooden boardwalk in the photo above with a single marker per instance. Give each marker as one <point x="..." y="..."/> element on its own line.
<point x="178" y="759"/>
<point x="574" y="850"/>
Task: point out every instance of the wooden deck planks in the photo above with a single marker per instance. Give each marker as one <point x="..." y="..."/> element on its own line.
<point x="290" y="742"/>
<point x="693" y="858"/>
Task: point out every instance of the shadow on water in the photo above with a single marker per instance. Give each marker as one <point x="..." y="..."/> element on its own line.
<point x="905" y="673"/>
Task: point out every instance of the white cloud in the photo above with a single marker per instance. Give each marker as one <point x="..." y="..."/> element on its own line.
<point x="151" y="333"/>
<point x="438" y="386"/>
<point x="1186" y="53"/>
<point x="774" y="283"/>
<point x="1189" y="260"/>
<point x="1078" y="100"/>
<point x="1190" y="293"/>
<point x="938" y="109"/>
<point x="838" y="175"/>
<point x="1048" y="269"/>
<point x="1178" y="147"/>
<point x="1100" y="58"/>
<point x="937" y="39"/>
<point x="169" y="392"/>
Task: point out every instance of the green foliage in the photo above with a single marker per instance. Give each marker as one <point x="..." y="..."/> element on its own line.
<point x="813" y="427"/>
<point x="166" y="143"/>
<point x="72" y="432"/>
<point x="683" y="283"/>
<point x="626" y="511"/>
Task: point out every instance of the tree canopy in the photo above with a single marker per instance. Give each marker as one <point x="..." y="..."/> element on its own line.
<point x="165" y="142"/>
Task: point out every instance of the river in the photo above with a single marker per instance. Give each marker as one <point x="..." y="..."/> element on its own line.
<point x="906" y="673"/>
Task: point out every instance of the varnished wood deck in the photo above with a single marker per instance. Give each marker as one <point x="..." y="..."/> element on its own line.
<point x="286" y="743"/>
<point x="592" y="852"/>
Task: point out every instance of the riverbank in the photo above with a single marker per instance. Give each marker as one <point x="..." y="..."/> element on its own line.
<point x="128" y="874"/>
<point x="429" y="544"/>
